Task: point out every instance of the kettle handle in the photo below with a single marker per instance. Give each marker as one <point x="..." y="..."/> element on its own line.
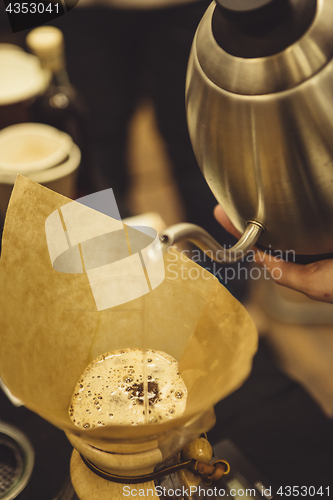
<point x="208" y="244"/>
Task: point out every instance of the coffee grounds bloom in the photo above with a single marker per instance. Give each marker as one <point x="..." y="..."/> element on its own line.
<point x="112" y="390"/>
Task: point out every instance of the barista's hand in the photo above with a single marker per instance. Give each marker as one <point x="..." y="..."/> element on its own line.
<point x="314" y="280"/>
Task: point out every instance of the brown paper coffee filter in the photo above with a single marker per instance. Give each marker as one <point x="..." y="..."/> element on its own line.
<point x="50" y="328"/>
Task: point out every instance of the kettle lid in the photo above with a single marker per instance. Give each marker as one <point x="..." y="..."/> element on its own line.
<point x="280" y="63"/>
<point x="260" y="28"/>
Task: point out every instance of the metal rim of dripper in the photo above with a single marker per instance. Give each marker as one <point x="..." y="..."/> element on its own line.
<point x="23" y="447"/>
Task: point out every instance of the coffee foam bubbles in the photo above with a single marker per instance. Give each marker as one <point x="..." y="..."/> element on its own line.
<point x="111" y="390"/>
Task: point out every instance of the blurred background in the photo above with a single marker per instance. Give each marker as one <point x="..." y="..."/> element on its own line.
<point x="117" y="87"/>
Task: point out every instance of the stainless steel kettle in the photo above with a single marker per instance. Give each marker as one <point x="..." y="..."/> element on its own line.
<point x="259" y="101"/>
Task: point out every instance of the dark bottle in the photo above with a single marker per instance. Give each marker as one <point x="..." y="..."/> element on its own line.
<point x="61" y="105"/>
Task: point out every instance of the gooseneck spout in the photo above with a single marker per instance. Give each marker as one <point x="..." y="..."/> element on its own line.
<point x="206" y="243"/>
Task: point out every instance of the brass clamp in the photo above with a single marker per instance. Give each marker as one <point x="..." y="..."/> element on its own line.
<point x="210" y="474"/>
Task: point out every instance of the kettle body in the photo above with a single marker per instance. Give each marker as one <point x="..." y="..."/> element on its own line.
<point x="262" y="131"/>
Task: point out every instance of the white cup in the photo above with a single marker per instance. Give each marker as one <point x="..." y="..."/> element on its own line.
<point x="41" y="153"/>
